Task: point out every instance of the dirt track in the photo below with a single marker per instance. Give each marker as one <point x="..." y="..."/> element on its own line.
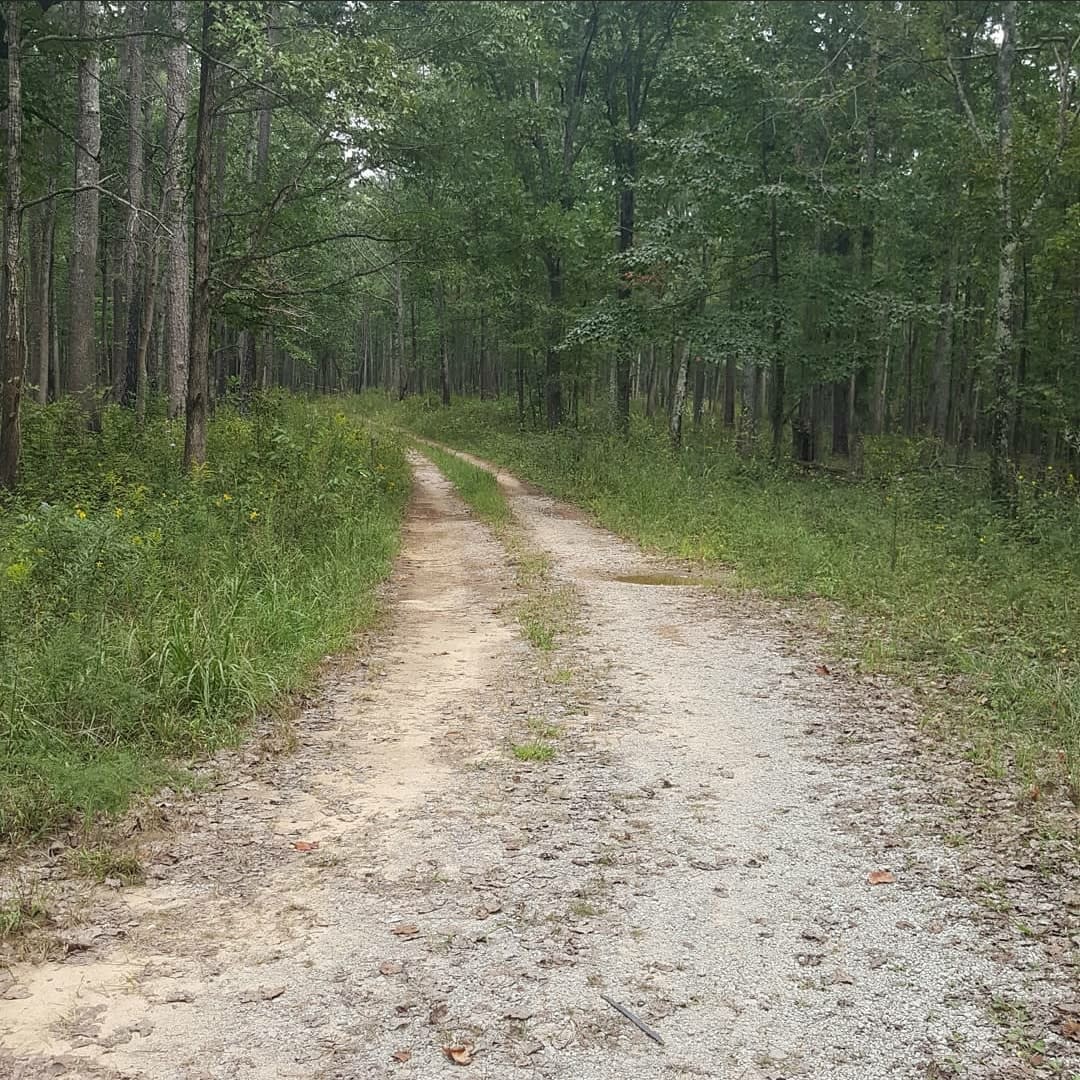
<point x="697" y="849"/>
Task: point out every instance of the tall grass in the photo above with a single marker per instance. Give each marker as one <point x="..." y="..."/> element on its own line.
<point x="146" y="615"/>
<point x="944" y="584"/>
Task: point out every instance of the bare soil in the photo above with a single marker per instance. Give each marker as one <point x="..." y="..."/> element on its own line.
<point x="400" y="896"/>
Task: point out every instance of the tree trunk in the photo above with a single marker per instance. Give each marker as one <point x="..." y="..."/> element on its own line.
<point x="678" y="397"/>
<point x="940" y="374"/>
<point x="699" y="390"/>
<point x="82" y="357"/>
<point x="444" y="351"/>
<point x="746" y="433"/>
<point x="13" y="367"/>
<point x="128" y="315"/>
<point x="552" y="358"/>
<point x="1002" y="487"/>
<point x="177" y="283"/>
<point x="198" y="388"/>
<point x="44" y="294"/>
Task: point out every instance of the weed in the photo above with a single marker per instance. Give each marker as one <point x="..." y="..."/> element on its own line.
<point x="104" y="863"/>
<point x="534" y="750"/>
<point x="20" y="914"/>
<point x="541" y="729"/>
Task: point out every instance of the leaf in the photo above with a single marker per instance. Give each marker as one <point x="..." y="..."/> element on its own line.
<point x="1071" y="1029"/>
<point x="405" y="930"/>
<point x="305" y="845"/>
<point x="459" y="1055"/>
<point x="821" y="669"/>
<point x="401" y="1055"/>
<point x="880" y="877"/>
<point x="439" y="1012"/>
<point x="391" y="967"/>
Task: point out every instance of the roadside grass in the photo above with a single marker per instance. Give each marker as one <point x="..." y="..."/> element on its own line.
<point x="146" y="616"/>
<point x="20" y="914"/>
<point x="940" y="585"/>
<point x="104" y="863"/>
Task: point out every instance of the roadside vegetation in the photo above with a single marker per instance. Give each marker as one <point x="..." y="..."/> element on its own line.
<point x="944" y="585"/>
<point x="147" y="614"/>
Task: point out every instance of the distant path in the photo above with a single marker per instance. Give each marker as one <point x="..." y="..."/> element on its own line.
<point x="697" y="849"/>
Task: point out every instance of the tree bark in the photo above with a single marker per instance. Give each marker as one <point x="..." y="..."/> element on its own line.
<point x="198" y="387"/>
<point x="940" y="377"/>
<point x="1002" y="488"/>
<point x="82" y="357"/>
<point x="128" y="315"/>
<point x="552" y="358"/>
<point x="13" y="366"/>
<point x="678" y="397"/>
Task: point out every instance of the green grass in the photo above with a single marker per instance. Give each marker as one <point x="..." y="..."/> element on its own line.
<point x="20" y="914"/>
<point x="940" y="583"/>
<point x="533" y="750"/>
<point x="102" y="863"/>
<point x="476" y="486"/>
<point x="146" y="615"/>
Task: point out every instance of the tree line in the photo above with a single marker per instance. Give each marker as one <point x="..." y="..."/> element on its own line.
<point x="807" y="223"/>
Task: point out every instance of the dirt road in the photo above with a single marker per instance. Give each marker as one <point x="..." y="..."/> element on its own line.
<point x="697" y="849"/>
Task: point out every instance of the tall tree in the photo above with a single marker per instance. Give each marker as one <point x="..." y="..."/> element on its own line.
<point x="12" y="369"/>
<point x="198" y="385"/>
<point x="82" y="354"/>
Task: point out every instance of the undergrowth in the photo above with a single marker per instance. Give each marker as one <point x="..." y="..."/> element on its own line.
<point x="146" y="615"/>
<point x="940" y="582"/>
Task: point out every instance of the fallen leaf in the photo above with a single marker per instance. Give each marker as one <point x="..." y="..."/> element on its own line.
<point x="821" y="669"/>
<point x="459" y="1055"/>
<point x="1071" y="1029"/>
<point x="401" y="1055"/>
<point x="880" y="877"/>
<point x="305" y="845"/>
<point x="405" y="930"/>
<point x="391" y="967"/>
<point x="439" y="1012"/>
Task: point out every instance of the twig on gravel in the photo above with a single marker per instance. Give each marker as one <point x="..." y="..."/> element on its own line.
<point x="654" y="1035"/>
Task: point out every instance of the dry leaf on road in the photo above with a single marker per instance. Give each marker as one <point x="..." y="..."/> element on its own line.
<point x="305" y="845"/>
<point x="391" y="967"/>
<point x="401" y="1055"/>
<point x="405" y="930"/>
<point x="880" y="877"/>
<point x="459" y="1055"/>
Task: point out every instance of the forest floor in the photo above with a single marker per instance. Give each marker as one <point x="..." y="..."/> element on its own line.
<point x="707" y="803"/>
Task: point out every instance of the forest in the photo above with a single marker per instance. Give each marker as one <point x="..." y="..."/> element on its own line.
<point x="541" y="535"/>
<point x="814" y="263"/>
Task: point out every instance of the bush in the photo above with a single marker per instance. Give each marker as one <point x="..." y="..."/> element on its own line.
<point x="145" y="614"/>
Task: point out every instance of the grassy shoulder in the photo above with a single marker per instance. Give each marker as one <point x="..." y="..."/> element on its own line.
<point x="941" y="584"/>
<point x="146" y="615"/>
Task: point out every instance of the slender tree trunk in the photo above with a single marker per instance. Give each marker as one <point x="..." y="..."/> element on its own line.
<point x="198" y="389"/>
<point x="397" y="340"/>
<point x="678" y="397"/>
<point x="940" y="375"/>
<point x="82" y="355"/>
<point x="777" y="365"/>
<point x="13" y="367"/>
<point x="444" y="350"/>
<point x="552" y="358"/>
<point x="1002" y="487"/>
<point x="177" y="279"/>
<point x="44" y="294"/>
<point x="128" y="316"/>
<point x="699" y="391"/>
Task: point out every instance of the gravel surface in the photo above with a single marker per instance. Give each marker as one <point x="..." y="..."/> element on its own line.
<point x="699" y="849"/>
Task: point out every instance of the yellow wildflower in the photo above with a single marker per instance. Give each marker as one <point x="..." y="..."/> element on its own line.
<point x="253" y="516"/>
<point x="118" y="513"/>
<point x="80" y="513"/>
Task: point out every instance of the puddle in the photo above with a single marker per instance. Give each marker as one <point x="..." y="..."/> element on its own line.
<point x="660" y="579"/>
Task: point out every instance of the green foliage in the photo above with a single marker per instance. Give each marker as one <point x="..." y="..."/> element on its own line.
<point x="145" y="614"/>
<point x="944" y="584"/>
